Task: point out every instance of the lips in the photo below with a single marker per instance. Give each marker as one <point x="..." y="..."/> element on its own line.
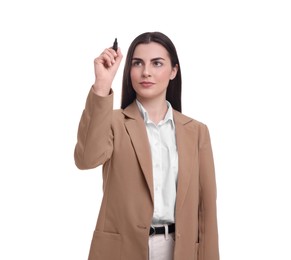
<point x="146" y="84"/>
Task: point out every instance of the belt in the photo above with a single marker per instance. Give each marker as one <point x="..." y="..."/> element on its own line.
<point x="161" y="230"/>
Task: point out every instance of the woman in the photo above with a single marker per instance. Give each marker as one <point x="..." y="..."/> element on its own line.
<point x="159" y="199"/>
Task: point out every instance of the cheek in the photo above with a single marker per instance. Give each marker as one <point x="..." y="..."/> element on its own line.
<point x="164" y="75"/>
<point x="133" y="75"/>
<point x="134" y="78"/>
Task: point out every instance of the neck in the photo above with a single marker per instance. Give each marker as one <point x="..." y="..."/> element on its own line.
<point x="156" y="109"/>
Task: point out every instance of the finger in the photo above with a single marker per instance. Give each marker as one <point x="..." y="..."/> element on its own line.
<point x="105" y="59"/>
<point x="109" y="56"/>
<point x="119" y="56"/>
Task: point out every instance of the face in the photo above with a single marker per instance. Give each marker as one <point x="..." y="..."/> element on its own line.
<point x="151" y="71"/>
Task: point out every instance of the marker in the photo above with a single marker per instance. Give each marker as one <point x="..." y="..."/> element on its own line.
<point x="115" y="45"/>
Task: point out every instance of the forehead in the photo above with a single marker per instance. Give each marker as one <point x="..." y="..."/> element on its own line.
<point x="150" y="51"/>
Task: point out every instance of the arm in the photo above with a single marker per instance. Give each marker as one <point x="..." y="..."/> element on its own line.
<point x="94" y="140"/>
<point x="208" y="231"/>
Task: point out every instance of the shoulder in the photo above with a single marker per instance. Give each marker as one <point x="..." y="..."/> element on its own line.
<point x="118" y="114"/>
<point x="186" y="120"/>
<point x="196" y="127"/>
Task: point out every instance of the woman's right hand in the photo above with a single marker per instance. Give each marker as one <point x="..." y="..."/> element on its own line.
<point x="106" y="66"/>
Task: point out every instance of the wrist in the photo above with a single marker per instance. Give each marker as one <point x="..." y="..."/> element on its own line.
<point x="103" y="92"/>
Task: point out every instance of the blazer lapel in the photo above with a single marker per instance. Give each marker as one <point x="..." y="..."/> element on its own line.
<point x="185" y="145"/>
<point x="136" y="129"/>
<point x="186" y="149"/>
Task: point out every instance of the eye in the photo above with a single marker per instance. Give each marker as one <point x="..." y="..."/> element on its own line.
<point x="157" y="63"/>
<point x="136" y="63"/>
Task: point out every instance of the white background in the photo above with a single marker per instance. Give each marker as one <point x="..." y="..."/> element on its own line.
<point x="235" y="61"/>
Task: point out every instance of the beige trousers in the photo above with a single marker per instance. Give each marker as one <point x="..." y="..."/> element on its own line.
<point x="161" y="247"/>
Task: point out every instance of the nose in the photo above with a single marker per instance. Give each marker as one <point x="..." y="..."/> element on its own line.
<point x="146" y="71"/>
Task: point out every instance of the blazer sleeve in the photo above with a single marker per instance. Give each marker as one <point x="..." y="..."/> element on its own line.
<point x="94" y="139"/>
<point x="208" y="230"/>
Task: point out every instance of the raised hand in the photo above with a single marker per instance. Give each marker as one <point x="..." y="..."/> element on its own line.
<point x="106" y="66"/>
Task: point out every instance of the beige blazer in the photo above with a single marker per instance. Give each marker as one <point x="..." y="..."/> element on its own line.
<point x="117" y="139"/>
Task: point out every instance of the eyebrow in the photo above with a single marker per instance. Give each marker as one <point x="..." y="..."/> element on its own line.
<point x="154" y="59"/>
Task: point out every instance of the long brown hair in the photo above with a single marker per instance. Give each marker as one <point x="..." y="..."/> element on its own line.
<point x="174" y="89"/>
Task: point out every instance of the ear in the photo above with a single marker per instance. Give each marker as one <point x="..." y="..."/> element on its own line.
<point x="174" y="72"/>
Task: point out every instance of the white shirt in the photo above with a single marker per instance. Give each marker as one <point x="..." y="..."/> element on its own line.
<point x="164" y="154"/>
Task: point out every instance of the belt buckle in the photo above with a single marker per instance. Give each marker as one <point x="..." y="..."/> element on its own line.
<point x="152" y="231"/>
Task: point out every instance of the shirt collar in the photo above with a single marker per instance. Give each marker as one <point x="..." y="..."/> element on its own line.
<point x="145" y="115"/>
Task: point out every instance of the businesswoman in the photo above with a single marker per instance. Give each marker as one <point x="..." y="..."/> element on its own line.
<point x="159" y="189"/>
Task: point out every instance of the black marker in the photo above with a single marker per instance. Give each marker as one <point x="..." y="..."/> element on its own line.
<point x="115" y="45"/>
